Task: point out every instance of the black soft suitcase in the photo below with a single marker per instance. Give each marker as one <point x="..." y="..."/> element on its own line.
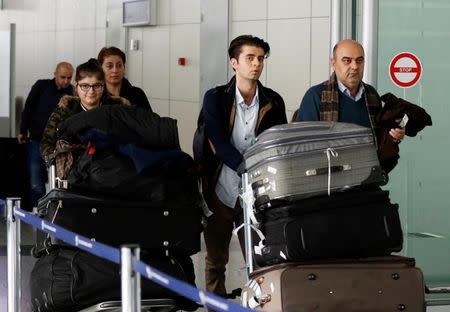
<point x="354" y="223"/>
<point x="172" y="223"/>
<point x="67" y="279"/>
<point x="311" y="158"/>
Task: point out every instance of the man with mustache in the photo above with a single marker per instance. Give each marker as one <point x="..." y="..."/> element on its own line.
<point x="344" y="96"/>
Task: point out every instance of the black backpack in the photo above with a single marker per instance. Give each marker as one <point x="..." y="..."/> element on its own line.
<point x="198" y="144"/>
<point x="201" y="151"/>
<point x="204" y="158"/>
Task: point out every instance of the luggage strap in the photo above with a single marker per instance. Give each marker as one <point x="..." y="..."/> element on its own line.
<point x="48" y="238"/>
<point x="47" y="243"/>
<point x="331" y="152"/>
<point x="248" y="201"/>
<point x="260" y="234"/>
<point x="258" y="299"/>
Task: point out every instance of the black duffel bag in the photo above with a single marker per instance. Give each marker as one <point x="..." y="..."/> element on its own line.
<point x="68" y="279"/>
<point x="109" y="173"/>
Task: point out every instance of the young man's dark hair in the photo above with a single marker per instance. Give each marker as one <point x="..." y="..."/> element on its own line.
<point x="236" y="44"/>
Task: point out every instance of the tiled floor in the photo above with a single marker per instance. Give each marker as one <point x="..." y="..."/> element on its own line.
<point x="235" y="274"/>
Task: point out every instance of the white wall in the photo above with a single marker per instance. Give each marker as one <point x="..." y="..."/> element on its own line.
<point x="298" y="34"/>
<point x="50" y="31"/>
<point x="6" y="37"/>
<point x="173" y="90"/>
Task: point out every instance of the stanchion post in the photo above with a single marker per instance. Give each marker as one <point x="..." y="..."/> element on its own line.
<point x="13" y="255"/>
<point x="52" y="176"/>
<point x="247" y="228"/>
<point x="137" y="279"/>
<point x="128" y="279"/>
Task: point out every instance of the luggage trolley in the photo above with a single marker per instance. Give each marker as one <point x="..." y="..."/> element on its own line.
<point x="285" y="285"/>
<point x="46" y="242"/>
<point x="148" y="305"/>
<point x="14" y="276"/>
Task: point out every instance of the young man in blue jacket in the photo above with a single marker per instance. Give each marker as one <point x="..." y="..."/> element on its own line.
<point x="234" y="114"/>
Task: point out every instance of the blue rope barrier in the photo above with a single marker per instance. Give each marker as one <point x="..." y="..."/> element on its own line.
<point x="84" y="243"/>
<point x="113" y="254"/>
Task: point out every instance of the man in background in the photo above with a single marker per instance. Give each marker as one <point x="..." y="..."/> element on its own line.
<point x="41" y="101"/>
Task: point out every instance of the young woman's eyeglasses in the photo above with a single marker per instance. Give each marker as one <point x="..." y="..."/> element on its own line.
<point x="95" y="86"/>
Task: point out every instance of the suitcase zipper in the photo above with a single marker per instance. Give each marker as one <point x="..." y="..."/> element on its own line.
<point x="255" y="149"/>
<point x="314" y="126"/>
<point x="307" y="153"/>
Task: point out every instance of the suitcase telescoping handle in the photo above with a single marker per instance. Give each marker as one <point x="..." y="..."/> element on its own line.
<point x="52" y="175"/>
<point x="247" y="206"/>
<point x="320" y="171"/>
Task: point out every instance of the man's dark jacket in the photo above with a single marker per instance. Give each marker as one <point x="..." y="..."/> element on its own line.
<point x="43" y="98"/>
<point x="388" y="118"/>
<point x="219" y="110"/>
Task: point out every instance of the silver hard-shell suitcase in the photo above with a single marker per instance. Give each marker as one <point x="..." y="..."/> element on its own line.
<point x="311" y="158"/>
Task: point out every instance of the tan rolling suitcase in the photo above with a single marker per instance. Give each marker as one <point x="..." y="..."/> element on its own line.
<point x="381" y="284"/>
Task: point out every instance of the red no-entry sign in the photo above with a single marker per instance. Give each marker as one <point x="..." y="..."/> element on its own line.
<point x="405" y="70"/>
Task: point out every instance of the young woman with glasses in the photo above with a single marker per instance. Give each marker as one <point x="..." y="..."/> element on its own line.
<point x="90" y="91"/>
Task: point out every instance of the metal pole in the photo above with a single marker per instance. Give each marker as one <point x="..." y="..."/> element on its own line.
<point x="13" y="255"/>
<point x="347" y="19"/>
<point x="335" y="24"/>
<point x="52" y="176"/>
<point x="370" y="40"/>
<point x="137" y="279"/>
<point x="247" y="229"/>
<point x="128" y="295"/>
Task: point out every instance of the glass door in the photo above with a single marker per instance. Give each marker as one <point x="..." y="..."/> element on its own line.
<point x="420" y="183"/>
